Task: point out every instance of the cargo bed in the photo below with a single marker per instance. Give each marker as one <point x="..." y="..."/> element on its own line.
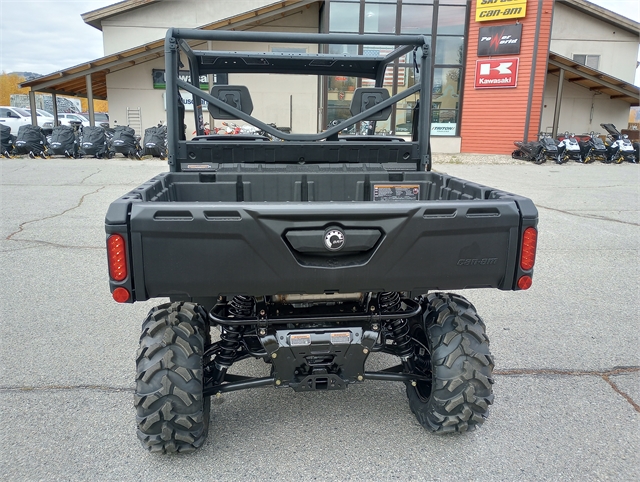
<point x="236" y="230"/>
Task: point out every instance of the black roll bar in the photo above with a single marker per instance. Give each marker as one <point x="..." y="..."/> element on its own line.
<point x="176" y="39"/>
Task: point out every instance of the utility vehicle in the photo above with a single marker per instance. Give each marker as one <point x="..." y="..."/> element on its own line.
<point x="309" y="251"/>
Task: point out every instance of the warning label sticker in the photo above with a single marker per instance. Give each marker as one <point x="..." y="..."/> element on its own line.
<point x="396" y="192"/>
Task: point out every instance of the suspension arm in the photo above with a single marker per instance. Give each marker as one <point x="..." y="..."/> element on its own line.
<point x="374" y="317"/>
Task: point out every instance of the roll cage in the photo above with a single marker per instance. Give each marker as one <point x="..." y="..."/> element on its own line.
<point x="316" y="146"/>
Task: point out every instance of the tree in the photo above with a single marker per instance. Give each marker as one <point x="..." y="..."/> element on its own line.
<point x="98" y="105"/>
<point x="9" y="85"/>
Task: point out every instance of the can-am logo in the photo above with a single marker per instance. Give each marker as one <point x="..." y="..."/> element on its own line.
<point x="334" y="239"/>
<point x="496" y="73"/>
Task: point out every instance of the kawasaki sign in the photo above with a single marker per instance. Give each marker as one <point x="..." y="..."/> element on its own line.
<point x="493" y="73"/>
<point x="159" y="81"/>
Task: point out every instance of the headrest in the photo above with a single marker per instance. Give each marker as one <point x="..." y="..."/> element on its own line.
<point x="366" y="97"/>
<point x="236" y="96"/>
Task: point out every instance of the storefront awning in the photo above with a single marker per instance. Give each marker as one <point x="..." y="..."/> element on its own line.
<point x="593" y="79"/>
<point x="90" y="79"/>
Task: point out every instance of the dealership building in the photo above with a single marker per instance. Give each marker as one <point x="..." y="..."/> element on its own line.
<point x="502" y="70"/>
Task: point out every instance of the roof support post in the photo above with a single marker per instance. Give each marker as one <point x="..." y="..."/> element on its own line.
<point x="54" y="101"/>
<point x="92" y="117"/>
<point x="32" y="105"/>
<point x="556" y="112"/>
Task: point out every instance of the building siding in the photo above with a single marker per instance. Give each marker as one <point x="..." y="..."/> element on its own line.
<point x="493" y="118"/>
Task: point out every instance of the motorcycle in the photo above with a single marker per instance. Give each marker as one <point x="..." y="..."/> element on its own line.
<point x="537" y="151"/>
<point x="230" y="129"/>
<point x="207" y="130"/>
<point x="569" y="148"/>
<point x="619" y="146"/>
<point x="592" y="148"/>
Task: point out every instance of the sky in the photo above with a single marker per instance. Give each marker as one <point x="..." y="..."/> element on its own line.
<point x="44" y="36"/>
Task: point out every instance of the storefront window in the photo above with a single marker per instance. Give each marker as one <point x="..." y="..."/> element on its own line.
<point x="445" y="100"/>
<point x="450" y="50"/>
<point x="336" y="49"/>
<point x="379" y="18"/>
<point x="416" y="19"/>
<point x="451" y="20"/>
<point x="344" y="17"/>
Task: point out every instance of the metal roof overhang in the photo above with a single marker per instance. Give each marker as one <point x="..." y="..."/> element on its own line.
<point x="592" y="79"/>
<point x="73" y="81"/>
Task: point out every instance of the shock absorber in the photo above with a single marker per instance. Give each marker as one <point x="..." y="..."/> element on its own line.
<point x="390" y="302"/>
<point x="231" y="335"/>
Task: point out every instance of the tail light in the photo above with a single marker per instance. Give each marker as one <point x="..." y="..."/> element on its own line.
<point x="121" y="295"/>
<point x="528" y="254"/>
<point x="116" y="253"/>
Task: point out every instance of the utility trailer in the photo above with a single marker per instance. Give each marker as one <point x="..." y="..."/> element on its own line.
<point x="309" y="251"/>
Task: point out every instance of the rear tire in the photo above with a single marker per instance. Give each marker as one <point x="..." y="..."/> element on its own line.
<point x="451" y="346"/>
<point x="172" y="413"/>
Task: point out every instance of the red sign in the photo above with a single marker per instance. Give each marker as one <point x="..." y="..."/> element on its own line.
<point x="496" y="73"/>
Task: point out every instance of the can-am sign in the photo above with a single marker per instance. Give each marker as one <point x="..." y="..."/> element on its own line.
<point x="495" y="73"/>
<point x="488" y="10"/>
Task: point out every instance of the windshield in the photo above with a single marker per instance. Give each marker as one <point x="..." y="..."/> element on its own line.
<point x="22" y="112"/>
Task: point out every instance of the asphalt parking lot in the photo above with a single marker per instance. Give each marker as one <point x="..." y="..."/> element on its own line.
<point x="567" y="392"/>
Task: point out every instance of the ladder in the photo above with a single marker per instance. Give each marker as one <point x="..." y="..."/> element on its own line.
<point x="134" y="119"/>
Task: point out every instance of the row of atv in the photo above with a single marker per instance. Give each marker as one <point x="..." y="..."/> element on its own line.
<point x="76" y="141"/>
<point x="615" y="148"/>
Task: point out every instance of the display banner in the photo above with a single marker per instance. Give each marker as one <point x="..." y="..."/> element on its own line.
<point x="503" y="40"/>
<point x="443" y="129"/>
<point x="187" y="98"/>
<point x="494" y="73"/>
<point x="159" y="81"/>
<point x="488" y="10"/>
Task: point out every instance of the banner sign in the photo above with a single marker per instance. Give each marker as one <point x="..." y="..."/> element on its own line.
<point x="487" y="10"/>
<point x="187" y="98"/>
<point x="443" y="129"/>
<point x="493" y="73"/>
<point x="159" y="81"/>
<point x="504" y="40"/>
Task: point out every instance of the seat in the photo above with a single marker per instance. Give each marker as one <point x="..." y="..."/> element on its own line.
<point x="236" y="96"/>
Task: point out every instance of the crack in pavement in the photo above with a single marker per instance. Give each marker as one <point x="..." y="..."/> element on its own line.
<point x="605" y="375"/>
<point x="589" y="216"/>
<point x="22" y="225"/>
<point x="39" y="243"/>
<point x="99" y="171"/>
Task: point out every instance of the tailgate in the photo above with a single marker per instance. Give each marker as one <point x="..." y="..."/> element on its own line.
<point x="210" y="249"/>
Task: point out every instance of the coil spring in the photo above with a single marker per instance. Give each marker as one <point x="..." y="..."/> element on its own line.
<point x="241" y="306"/>
<point x="390" y="302"/>
<point x="231" y="335"/>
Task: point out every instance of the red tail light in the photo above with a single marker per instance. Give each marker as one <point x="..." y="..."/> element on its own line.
<point x="121" y="295"/>
<point x="117" y="258"/>
<point x="529" y="243"/>
<point x="525" y="282"/>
